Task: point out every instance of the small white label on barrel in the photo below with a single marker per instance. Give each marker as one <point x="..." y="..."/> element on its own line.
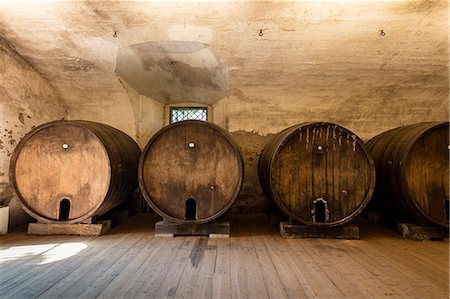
<point x="65" y="146"/>
<point x="191" y="145"/>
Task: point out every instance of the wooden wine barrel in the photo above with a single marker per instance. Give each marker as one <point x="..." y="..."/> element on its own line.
<point x="413" y="171"/>
<point x="68" y="171"/>
<point x="319" y="174"/>
<point x="191" y="172"/>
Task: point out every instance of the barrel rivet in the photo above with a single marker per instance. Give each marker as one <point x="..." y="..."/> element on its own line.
<point x="449" y="146"/>
<point x="65" y="146"/>
<point x="319" y="148"/>
<point x="213" y="187"/>
<point x="191" y="145"/>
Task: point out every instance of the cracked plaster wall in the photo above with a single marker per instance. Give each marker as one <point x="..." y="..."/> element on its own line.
<point x="26" y="100"/>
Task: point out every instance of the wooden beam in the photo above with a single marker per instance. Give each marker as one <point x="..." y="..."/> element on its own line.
<point x="213" y="230"/>
<point x="346" y="231"/>
<point x="81" y="229"/>
<point x="419" y="233"/>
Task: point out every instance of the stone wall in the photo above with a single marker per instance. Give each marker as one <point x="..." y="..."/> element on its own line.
<point x="26" y="100"/>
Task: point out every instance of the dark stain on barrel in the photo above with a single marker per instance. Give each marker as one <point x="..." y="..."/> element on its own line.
<point x="85" y="191"/>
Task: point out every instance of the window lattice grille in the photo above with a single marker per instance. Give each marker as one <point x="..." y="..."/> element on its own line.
<point x="188" y="113"/>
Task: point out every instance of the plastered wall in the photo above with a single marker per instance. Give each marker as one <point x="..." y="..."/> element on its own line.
<point x="26" y="100"/>
<point x="148" y="115"/>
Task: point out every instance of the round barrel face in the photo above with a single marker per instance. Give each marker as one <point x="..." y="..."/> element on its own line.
<point x="190" y="172"/>
<point x="427" y="174"/>
<point x="321" y="175"/>
<point x="61" y="172"/>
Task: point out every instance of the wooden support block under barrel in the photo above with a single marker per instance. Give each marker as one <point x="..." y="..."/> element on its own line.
<point x="81" y="229"/>
<point x="346" y="231"/>
<point x="420" y="233"/>
<point x="213" y="229"/>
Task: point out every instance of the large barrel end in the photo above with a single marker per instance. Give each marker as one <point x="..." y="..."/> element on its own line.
<point x="191" y="172"/>
<point x="319" y="174"/>
<point x="68" y="171"/>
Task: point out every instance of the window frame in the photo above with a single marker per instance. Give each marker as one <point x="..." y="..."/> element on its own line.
<point x="168" y="108"/>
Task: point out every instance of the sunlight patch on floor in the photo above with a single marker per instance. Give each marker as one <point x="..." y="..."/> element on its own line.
<point x="46" y="253"/>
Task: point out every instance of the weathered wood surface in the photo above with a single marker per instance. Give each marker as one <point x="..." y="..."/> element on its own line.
<point x="80" y="229"/>
<point x="345" y="231"/>
<point x="319" y="174"/>
<point x="420" y="233"/>
<point x="191" y="171"/>
<point x="413" y="172"/>
<point x="255" y="262"/>
<point x="211" y="229"/>
<point x="68" y="171"/>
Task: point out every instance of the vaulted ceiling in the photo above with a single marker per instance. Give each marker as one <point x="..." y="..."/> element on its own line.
<point x="168" y="50"/>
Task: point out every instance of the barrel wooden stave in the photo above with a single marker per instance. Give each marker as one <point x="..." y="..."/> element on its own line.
<point x="413" y="165"/>
<point x="94" y="173"/>
<point x="294" y="172"/>
<point x="171" y="172"/>
<point x="124" y="156"/>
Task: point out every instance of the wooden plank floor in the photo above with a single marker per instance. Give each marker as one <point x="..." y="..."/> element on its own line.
<point x="255" y="262"/>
